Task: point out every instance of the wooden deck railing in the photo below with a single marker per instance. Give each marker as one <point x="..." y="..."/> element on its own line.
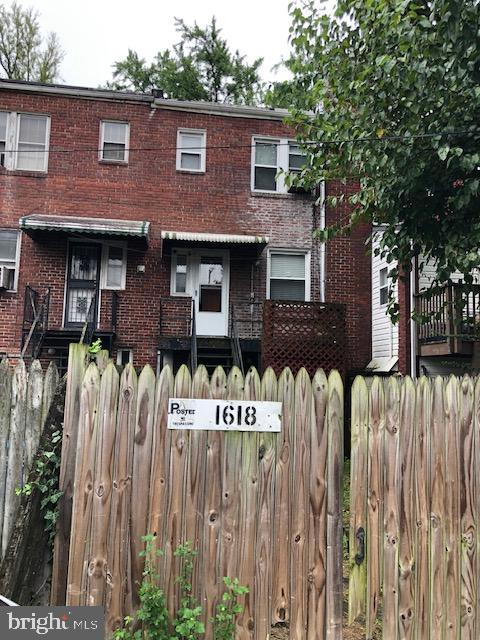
<point x="451" y="313"/>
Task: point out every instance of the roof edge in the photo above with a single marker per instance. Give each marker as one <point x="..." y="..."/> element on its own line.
<point x="86" y="93"/>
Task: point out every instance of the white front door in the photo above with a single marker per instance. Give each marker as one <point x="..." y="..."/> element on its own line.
<point x="210" y="285"/>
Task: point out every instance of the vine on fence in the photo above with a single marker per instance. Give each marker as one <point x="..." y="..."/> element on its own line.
<point x="158" y="623"/>
<point x="45" y="479"/>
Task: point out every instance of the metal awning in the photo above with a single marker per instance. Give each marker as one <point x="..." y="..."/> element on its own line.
<point x="382" y="365"/>
<point x="78" y="224"/>
<point x="220" y="238"/>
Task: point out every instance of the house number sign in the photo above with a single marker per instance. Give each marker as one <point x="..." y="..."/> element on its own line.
<point x="224" y="415"/>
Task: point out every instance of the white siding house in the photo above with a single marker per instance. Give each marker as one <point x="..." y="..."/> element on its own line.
<point x="384" y="332"/>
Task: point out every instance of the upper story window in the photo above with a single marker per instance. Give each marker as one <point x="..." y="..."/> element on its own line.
<point x="288" y="275"/>
<point x="269" y="157"/>
<point x="383" y="285"/>
<point x="114" y="141"/>
<point x="32" y="141"/>
<point x="3" y="136"/>
<point x="191" y="150"/>
<point x="9" y="254"/>
<point x="24" y="139"/>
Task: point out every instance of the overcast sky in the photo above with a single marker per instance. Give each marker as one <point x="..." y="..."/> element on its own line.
<point x="96" y="33"/>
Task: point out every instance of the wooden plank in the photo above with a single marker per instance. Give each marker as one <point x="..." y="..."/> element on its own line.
<point x="300" y="513"/>
<point x="248" y="520"/>
<point x="142" y="454"/>
<point x="159" y="485"/>
<point x="265" y="514"/>
<point x="5" y="403"/>
<point x="452" y="512"/>
<point x="281" y="523"/>
<point x="50" y="384"/>
<point x="334" y="507"/>
<point x="213" y="507"/>
<point x="99" y="556"/>
<point x="231" y="466"/>
<point x="391" y="511"/>
<point x="374" y="541"/>
<point x="317" y="547"/>
<point x="16" y="443"/>
<point x="195" y="483"/>
<point x="83" y="482"/>
<point x="437" y="514"/>
<point x="407" y="538"/>
<point x="358" y="500"/>
<point x="33" y="415"/>
<point x="422" y="504"/>
<point x="174" y="524"/>
<point x="468" y="512"/>
<point x="77" y="359"/>
<point x="476" y="422"/>
<point x="119" y="587"/>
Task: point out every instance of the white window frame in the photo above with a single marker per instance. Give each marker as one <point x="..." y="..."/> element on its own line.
<point x="102" y="141"/>
<point x="384" y="286"/>
<point x="283" y="162"/>
<point x="6" y="138"/>
<point x="202" y="151"/>
<point x="104" y="266"/>
<point x="12" y="140"/>
<point x="13" y="264"/>
<point x="173" y="272"/>
<point x="298" y="252"/>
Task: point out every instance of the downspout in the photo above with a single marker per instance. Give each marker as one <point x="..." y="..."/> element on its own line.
<point x="321" y="254"/>
<point x="413" y="324"/>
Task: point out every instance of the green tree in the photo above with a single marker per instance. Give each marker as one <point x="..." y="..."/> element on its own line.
<point x="199" y="67"/>
<point x="393" y="95"/>
<point x="24" y="53"/>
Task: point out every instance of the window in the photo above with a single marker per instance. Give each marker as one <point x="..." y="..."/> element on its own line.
<point x="179" y="284"/>
<point x="269" y="157"/>
<point x="24" y="139"/>
<point x="288" y="275"/>
<point x="124" y="357"/>
<point x="3" y="136"/>
<point x="114" y="266"/>
<point x="191" y="150"/>
<point x="383" y="285"/>
<point x="266" y="165"/>
<point x="9" y="242"/>
<point x="32" y="142"/>
<point x="114" y="141"/>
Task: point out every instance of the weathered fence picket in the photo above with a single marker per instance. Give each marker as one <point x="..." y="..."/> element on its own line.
<point x="429" y="504"/>
<point x="25" y="398"/>
<point x="263" y="507"/>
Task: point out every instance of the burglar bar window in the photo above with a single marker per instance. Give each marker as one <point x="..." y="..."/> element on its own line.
<point x="114" y="141"/>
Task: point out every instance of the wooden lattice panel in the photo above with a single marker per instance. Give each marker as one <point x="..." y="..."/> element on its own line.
<point x="303" y="334"/>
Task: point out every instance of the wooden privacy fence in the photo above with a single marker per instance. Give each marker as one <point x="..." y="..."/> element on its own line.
<point x="25" y="399"/>
<point x="262" y="507"/>
<point x="415" y="507"/>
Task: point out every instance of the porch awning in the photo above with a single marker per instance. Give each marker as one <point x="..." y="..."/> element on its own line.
<point x="220" y="238"/>
<point x="78" y="224"/>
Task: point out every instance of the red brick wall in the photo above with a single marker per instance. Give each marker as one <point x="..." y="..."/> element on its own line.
<point x="150" y="188"/>
<point x="348" y="279"/>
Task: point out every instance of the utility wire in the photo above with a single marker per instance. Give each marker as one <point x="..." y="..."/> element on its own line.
<point x="320" y="143"/>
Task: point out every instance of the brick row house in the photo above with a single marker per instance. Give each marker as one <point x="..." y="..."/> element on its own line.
<point x="165" y="229"/>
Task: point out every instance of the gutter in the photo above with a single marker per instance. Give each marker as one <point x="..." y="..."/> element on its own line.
<point x="413" y="324"/>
